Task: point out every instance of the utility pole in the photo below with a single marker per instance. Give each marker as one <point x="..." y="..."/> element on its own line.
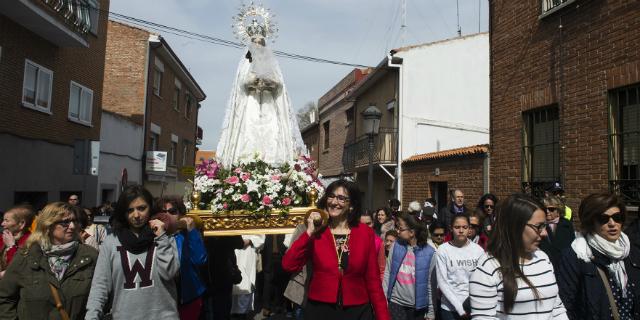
<point x="403" y="25"/>
<point x="458" y="15"/>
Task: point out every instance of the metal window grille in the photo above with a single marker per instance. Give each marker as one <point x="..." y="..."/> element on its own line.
<point x="541" y="150"/>
<point x="624" y="143"/>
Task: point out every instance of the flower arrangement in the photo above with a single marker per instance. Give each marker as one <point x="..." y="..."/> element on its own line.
<point x="255" y="186"/>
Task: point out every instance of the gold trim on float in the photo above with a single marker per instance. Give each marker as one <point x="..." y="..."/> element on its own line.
<point x="231" y="223"/>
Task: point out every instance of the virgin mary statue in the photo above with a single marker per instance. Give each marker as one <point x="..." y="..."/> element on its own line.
<point x="259" y="119"/>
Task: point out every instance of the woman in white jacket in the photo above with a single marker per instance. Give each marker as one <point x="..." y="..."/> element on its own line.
<point x="455" y="260"/>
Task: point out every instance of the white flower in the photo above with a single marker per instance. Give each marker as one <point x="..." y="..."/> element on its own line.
<point x="252" y="186"/>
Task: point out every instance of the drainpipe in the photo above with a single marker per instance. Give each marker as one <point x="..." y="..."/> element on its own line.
<point x="400" y="99"/>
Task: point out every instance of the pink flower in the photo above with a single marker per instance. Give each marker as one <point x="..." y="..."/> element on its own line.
<point x="297" y="167"/>
<point x="286" y="201"/>
<point x="275" y="178"/>
<point x="245" y="176"/>
<point x="225" y="205"/>
<point x="237" y="170"/>
<point x="245" y="198"/>
<point x="266" y="200"/>
<point x="232" y="180"/>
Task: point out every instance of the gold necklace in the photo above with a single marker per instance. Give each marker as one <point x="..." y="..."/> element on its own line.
<point x="339" y="254"/>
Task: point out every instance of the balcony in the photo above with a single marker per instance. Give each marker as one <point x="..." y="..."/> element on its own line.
<point x="551" y="6"/>
<point x="64" y="23"/>
<point x="385" y="150"/>
<point x="628" y="190"/>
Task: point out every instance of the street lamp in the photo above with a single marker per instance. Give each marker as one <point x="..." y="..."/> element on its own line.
<point x="371" y="118"/>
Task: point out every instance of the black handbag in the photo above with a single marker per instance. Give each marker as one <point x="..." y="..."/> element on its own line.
<point x="235" y="273"/>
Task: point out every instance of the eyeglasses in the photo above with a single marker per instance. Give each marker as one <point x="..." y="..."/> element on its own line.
<point x="437" y="235"/>
<point x="489" y="206"/>
<point x="403" y="229"/>
<point x="67" y="222"/>
<point x="139" y="208"/>
<point x="339" y="197"/>
<point x="538" y="228"/>
<point x="170" y="210"/>
<point x="617" y="218"/>
<point x="551" y="209"/>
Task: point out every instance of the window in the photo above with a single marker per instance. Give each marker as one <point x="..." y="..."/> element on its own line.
<point x="36" y="88"/>
<point x="541" y="150"/>
<point x="624" y="143"/>
<point x="157" y="81"/>
<point x="350" y="115"/>
<point x="80" y="103"/>
<point x="188" y="105"/>
<point x="325" y="129"/>
<point x="176" y="95"/>
<point x="185" y="152"/>
<point x="173" y="152"/>
<point x="153" y="141"/>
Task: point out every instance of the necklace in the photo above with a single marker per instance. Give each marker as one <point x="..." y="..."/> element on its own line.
<point x="344" y="247"/>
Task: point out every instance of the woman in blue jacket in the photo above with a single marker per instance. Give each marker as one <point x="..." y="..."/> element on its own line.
<point x="406" y="276"/>
<point x="193" y="255"/>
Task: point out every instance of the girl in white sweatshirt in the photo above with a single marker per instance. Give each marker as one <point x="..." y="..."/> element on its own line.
<point x="455" y="260"/>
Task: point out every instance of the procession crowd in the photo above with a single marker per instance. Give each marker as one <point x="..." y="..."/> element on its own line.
<point x="513" y="258"/>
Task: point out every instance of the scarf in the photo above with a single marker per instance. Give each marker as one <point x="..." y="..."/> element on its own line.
<point x="554" y="223"/>
<point x="136" y="244"/>
<point x="59" y="257"/>
<point x="615" y="251"/>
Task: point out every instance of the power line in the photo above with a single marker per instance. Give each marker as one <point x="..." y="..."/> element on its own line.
<point x="214" y="40"/>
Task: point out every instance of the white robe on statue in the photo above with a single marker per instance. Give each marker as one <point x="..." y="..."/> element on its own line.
<point x="259" y="117"/>
<point x="247" y="263"/>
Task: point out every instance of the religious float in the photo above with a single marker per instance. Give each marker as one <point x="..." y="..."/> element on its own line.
<point x="261" y="181"/>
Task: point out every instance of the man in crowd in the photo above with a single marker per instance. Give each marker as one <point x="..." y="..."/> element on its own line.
<point x="455" y="207"/>
<point x="73" y="200"/>
<point x="557" y="190"/>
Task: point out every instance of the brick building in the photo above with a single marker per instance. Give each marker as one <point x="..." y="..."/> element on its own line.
<point x="336" y="125"/>
<point x="51" y="66"/>
<point x="146" y="81"/>
<point x="565" y="102"/>
<point x="434" y="174"/>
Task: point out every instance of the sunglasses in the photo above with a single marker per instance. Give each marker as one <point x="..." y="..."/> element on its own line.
<point x="170" y="210"/>
<point x="538" y="228"/>
<point x="551" y="209"/>
<point x="473" y="225"/>
<point x="617" y="218"/>
<point x="438" y="235"/>
<point x="139" y="208"/>
<point x="489" y="206"/>
<point x="67" y="222"/>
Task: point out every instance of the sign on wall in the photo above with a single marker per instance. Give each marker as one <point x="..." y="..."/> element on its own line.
<point x="156" y="161"/>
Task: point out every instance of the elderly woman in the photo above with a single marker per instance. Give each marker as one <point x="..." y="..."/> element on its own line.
<point x="560" y="232"/>
<point x="138" y="264"/>
<point x="53" y="269"/>
<point x="15" y="224"/>
<point x="599" y="276"/>
<point x="345" y="279"/>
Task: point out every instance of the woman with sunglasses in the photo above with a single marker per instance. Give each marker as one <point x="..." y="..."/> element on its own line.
<point x="138" y="264"/>
<point x="514" y="279"/>
<point x="487" y="205"/>
<point x="54" y="267"/>
<point x="599" y="276"/>
<point x="560" y="231"/>
<point x="345" y="279"/>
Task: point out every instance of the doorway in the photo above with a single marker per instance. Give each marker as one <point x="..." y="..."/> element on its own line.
<point x="440" y="192"/>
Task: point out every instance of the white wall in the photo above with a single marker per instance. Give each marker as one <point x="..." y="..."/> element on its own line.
<point x="445" y="88"/>
<point x="121" y="145"/>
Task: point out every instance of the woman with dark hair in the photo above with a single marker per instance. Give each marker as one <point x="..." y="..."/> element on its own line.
<point x="455" y="260"/>
<point x="51" y="275"/>
<point x="599" y="275"/>
<point x="345" y="279"/>
<point x="137" y="266"/>
<point x="406" y="277"/>
<point x="382" y="221"/>
<point x="487" y="205"/>
<point x="367" y="219"/>
<point x="514" y="279"/>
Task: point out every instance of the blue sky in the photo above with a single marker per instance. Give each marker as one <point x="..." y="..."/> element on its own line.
<point x="353" y="31"/>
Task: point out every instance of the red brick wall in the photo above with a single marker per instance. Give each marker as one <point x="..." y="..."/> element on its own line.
<point x="464" y="173"/>
<point x="330" y="159"/>
<point x="535" y="63"/>
<point x="82" y="65"/>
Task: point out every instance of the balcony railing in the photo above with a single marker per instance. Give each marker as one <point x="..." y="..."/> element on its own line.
<point x="550" y="5"/>
<point x="385" y="150"/>
<point x="628" y="190"/>
<point x="75" y="13"/>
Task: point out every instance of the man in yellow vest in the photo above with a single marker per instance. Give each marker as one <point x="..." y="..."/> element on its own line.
<point x="557" y="190"/>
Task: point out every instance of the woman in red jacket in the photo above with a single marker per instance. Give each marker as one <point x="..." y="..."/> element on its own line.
<point x="345" y="280"/>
